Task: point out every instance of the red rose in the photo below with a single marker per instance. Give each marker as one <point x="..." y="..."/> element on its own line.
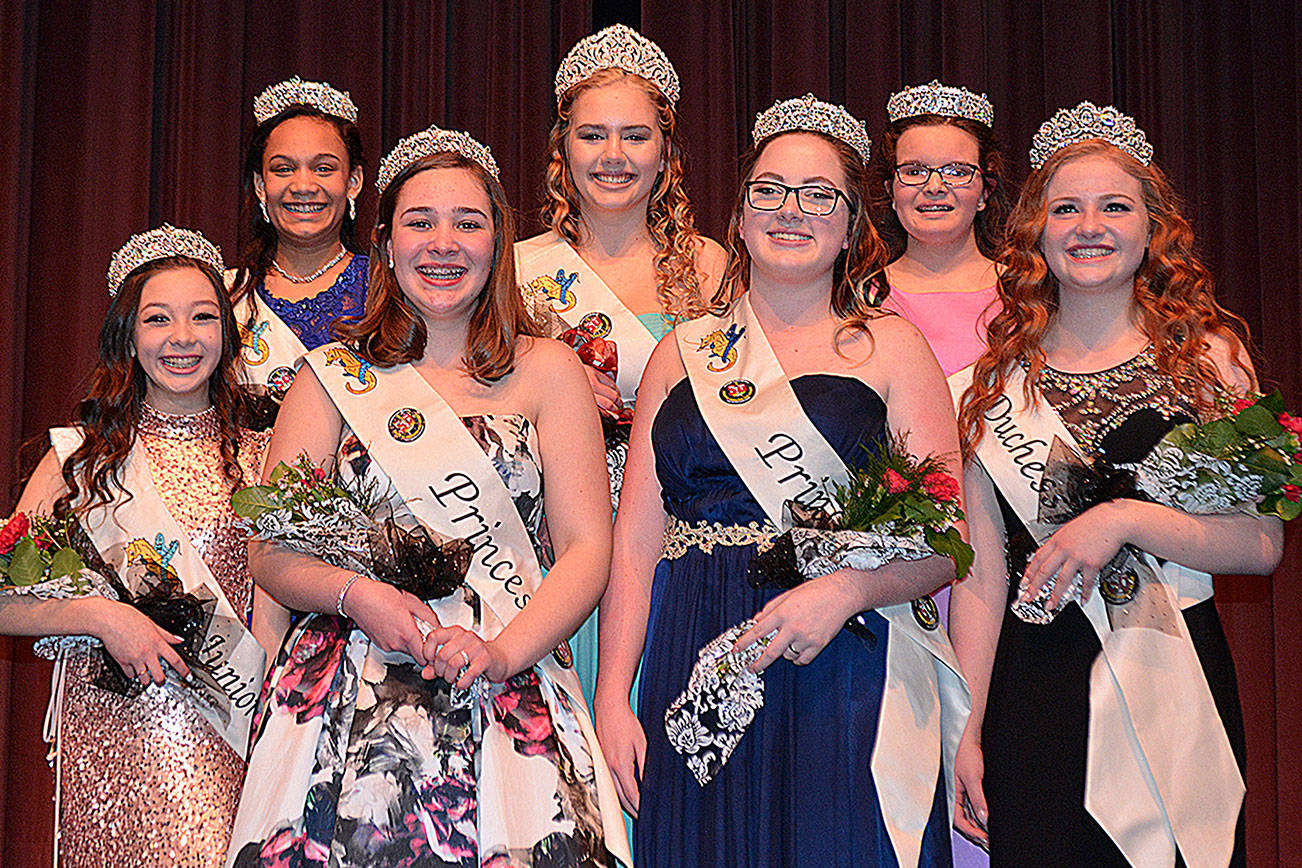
<point x="13" y="531"/>
<point x="1292" y="493"/>
<point x="1291" y="424"/>
<point x="941" y="486"/>
<point x="1243" y="404"/>
<point x="894" y="482"/>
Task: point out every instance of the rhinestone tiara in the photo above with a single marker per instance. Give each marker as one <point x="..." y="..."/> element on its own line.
<point x="620" y="47"/>
<point x="807" y="113"/>
<point x="940" y="99"/>
<point x="317" y="94"/>
<point x="160" y="243"/>
<point x="432" y="141"/>
<point x="1089" y="121"/>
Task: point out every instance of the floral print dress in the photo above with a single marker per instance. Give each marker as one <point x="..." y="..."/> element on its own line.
<point x="358" y="760"/>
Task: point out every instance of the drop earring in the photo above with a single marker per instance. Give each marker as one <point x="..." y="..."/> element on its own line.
<point x="262" y="203"/>
<point x="352" y="208"/>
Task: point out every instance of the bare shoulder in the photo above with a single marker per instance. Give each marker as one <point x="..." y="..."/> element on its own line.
<point x="1230" y="358"/>
<point x="890" y="330"/>
<point x="710" y="255"/>
<point x="711" y="260"/>
<point x="44" y="487"/>
<point x="546" y="363"/>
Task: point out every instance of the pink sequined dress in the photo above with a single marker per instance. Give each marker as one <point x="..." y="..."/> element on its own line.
<point x="147" y="781"/>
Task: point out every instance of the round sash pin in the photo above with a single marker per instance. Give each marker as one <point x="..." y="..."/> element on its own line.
<point x="1120" y="587"/>
<point x="563" y="655"/>
<point x="737" y="391"/>
<point x="279" y="381"/>
<point x="926" y="613"/>
<point x="596" y="324"/>
<point x="406" y="425"/>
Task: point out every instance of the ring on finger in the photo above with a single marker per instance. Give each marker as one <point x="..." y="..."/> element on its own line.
<point x="465" y="658"/>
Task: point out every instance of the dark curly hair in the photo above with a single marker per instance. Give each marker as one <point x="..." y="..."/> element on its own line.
<point x="110" y="414"/>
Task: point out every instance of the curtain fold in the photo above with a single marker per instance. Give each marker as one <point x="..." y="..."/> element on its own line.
<point x="121" y="116"/>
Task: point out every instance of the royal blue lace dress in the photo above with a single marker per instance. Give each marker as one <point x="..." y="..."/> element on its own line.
<point x="798" y="791"/>
<point x="313" y="319"/>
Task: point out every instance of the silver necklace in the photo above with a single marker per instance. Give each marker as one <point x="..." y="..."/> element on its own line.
<point x="294" y="278"/>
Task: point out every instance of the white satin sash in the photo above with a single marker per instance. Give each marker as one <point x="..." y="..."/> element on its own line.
<point x="270" y="350"/>
<point x="1160" y="772"/>
<point x="748" y="404"/>
<point x="139" y="532"/>
<point x="549" y="267"/>
<point x="451" y="485"/>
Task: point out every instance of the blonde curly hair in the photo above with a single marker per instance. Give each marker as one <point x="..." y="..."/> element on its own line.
<point x="669" y="217"/>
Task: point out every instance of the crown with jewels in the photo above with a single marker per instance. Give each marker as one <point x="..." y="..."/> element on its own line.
<point x="620" y="47"/>
<point x="432" y="141"/>
<point x="1089" y="121"/>
<point x="807" y="113"/>
<point x="160" y="243"/>
<point x="940" y="99"/>
<point x="317" y="94"/>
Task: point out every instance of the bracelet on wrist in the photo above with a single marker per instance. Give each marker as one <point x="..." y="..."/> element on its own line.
<point x="343" y="592"/>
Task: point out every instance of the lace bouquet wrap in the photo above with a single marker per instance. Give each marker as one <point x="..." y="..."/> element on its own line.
<point x="1246" y="460"/>
<point x="895" y="507"/>
<point x="307" y="510"/>
<point x="50" y="558"/>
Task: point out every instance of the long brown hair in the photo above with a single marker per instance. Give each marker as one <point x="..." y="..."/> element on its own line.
<point x="391" y="333"/>
<point x="1173" y="294"/>
<point x="988" y="226"/>
<point x="669" y="216"/>
<point x="257" y="236"/>
<point x="110" y="415"/>
<point x="854" y="268"/>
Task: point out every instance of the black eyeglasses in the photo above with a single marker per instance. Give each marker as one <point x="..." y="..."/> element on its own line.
<point x="951" y="174"/>
<point x="816" y="200"/>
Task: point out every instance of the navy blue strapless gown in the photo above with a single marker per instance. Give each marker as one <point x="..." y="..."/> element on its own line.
<point x="798" y="790"/>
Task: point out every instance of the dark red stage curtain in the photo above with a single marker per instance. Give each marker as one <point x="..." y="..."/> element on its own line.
<point x="120" y="115"/>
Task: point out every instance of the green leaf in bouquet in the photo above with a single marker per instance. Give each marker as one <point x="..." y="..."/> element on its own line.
<point x="1182" y="436"/>
<point x="1272" y="403"/>
<point x="253" y="501"/>
<point x="25" y="567"/>
<point x="950" y="544"/>
<point x="1257" y="421"/>
<point x="65" y="562"/>
<point x="1217" y="435"/>
<point x="1277" y="504"/>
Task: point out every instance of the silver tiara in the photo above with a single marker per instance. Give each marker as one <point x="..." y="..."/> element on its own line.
<point x="940" y="99"/>
<point x="317" y="94"/>
<point x="807" y="113"/>
<point x="619" y="47"/>
<point x="160" y="243"/>
<point x="432" y="141"/>
<point x="1088" y="121"/>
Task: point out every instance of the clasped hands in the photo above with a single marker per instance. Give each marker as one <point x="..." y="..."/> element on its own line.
<point x="397" y="621"/>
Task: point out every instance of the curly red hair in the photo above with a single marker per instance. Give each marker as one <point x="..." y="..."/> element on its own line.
<point x="1173" y="295"/>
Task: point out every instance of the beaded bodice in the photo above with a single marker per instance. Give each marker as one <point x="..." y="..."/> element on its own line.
<point x="313" y="319"/>
<point x="185" y="461"/>
<point x="1093" y="404"/>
